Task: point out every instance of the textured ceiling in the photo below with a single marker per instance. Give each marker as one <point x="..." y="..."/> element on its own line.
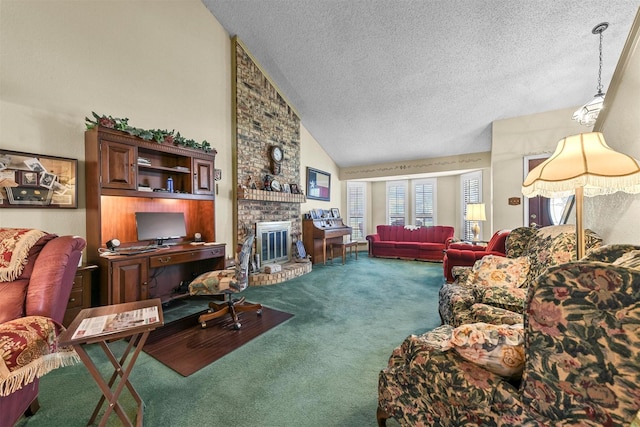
<point x="377" y="81"/>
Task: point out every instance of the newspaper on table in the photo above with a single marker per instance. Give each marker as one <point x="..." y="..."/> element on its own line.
<point x="116" y="322"/>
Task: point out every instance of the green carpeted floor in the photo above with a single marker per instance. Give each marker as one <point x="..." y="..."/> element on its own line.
<point x="318" y="369"/>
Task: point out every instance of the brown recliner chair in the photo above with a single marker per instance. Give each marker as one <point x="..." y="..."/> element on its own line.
<point x="42" y="289"/>
<point x="465" y="255"/>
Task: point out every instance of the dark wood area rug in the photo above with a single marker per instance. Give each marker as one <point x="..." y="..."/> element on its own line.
<point x="186" y="348"/>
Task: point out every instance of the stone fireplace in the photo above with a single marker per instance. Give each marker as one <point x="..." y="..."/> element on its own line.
<point x="273" y="241"/>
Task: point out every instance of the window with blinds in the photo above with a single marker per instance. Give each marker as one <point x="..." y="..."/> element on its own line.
<point x="424" y="202"/>
<point x="396" y="202"/>
<point x="471" y="193"/>
<point x="356" y="202"/>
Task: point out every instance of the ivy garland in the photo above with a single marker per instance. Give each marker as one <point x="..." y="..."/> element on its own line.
<point x="157" y="135"/>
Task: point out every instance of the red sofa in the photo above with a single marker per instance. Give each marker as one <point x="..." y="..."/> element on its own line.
<point x="43" y="289"/>
<point x="422" y="243"/>
<point x="465" y="254"/>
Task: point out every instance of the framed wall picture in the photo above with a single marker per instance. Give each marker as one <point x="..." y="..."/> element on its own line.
<point x="318" y="184"/>
<point x="335" y="212"/>
<point x="36" y="181"/>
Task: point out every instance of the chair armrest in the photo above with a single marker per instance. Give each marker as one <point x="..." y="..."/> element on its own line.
<point x="454" y="302"/>
<point x="494" y="315"/>
<point x="466" y="247"/>
<point x="512" y="299"/>
<point x="420" y="378"/>
<point x="52" y="278"/>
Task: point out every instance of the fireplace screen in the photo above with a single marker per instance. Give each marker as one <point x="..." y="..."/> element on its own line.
<point x="273" y="241"/>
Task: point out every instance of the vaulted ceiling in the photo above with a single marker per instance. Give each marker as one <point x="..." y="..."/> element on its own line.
<point x="377" y="81"/>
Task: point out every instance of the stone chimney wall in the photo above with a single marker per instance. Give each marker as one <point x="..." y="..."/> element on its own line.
<point x="263" y="119"/>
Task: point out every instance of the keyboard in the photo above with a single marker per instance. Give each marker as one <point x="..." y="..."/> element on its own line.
<point x="136" y="250"/>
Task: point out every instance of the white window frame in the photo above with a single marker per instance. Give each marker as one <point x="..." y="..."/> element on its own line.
<point x="465" y="233"/>
<point x="363" y="187"/>
<point x="434" y="195"/>
<point x="405" y="185"/>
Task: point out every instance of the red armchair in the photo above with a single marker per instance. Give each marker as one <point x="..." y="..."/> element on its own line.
<point x="464" y="254"/>
<point x="42" y="289"/>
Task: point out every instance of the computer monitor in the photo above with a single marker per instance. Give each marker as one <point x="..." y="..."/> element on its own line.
<point x="160" y="226"/>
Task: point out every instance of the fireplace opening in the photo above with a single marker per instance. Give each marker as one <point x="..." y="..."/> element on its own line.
<point x="273" y="241"/>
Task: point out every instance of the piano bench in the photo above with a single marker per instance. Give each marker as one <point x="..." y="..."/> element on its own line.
<point x="343" y="249"/>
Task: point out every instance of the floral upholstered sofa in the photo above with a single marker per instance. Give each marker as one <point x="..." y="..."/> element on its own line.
<point x="502" y="282"/>
<point x="574" y="361"/>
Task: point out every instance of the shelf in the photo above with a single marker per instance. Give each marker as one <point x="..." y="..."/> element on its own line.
<point x="154" y="194"/>
<point x="163" y="169"/>
<point x="270" y="196"/>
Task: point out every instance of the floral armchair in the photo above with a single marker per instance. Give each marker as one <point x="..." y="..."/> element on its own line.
<point x="495" y="284"/>
<point x="575" y="361"/>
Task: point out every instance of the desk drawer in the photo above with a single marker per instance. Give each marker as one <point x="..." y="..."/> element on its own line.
<point x="187" y="256"/>
<point x="75" y="299"/>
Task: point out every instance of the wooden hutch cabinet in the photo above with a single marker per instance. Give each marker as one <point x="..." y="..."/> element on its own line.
<point x="121" y="173"/>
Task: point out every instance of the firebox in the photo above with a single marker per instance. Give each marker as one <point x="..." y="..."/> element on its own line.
<point x="273" y="241"/>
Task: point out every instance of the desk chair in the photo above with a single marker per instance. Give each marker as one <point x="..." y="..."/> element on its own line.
<point x="223" y="284"/>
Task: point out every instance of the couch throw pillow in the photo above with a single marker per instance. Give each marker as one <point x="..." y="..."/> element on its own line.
<point x="495" y="270"/>
<point x="497" y="348"/>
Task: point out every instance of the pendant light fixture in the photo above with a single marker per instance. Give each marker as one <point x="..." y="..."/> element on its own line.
<point x="588" y="113"/>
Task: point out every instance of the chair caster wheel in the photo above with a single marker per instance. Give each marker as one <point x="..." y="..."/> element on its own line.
<point x="237" y="326"/>
<point x="259" y="312"/>
<point x="203" y="325"/>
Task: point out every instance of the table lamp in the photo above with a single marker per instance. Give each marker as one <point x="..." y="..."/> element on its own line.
<point x="475" y="213"/>
<point x="585" y="165"/>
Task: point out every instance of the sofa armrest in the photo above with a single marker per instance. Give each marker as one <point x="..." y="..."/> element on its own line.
<point x="52" y="278"/>
<point x="373" y="238"/>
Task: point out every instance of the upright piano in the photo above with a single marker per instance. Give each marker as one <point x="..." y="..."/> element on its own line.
<point x="318" y="234"/>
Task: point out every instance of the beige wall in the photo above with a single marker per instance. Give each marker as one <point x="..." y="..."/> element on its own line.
<point x="512" y="140"/>
<point x="63" y="59"/>
<point x="312" y="155"/>
<point x="616" y="217"/>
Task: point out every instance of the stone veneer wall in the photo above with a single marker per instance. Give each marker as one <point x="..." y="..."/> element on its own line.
<point x="263" y="118"/>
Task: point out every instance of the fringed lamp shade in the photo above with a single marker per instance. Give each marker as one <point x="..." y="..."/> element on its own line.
<point x="585" y="165"/>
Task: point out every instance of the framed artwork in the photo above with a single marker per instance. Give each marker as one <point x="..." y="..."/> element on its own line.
<point x="217" y="174"/>
<point x="318" y="184"/>
<point x="294" y="189"/>
<point x="335" y="213"/>
<point x="35" y="181"/>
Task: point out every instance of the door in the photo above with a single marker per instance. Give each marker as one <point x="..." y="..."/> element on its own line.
<point x="539" y="207"/>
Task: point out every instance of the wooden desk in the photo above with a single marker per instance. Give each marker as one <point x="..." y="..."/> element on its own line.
<point x="123" y="326"/>
<point x="157" y="274"/>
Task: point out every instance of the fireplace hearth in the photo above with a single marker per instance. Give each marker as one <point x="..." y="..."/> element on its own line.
<point x="273" y="241"/>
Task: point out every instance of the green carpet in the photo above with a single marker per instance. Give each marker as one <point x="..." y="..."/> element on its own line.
<point x="320" y="368"/>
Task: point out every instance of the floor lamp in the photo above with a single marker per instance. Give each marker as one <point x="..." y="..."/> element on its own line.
<point x="475" y="213"/>
<point x="583" y="165"/>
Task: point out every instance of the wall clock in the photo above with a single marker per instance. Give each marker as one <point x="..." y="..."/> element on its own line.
<point x="276" y="155"/>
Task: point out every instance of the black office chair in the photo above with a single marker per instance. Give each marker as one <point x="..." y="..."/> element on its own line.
<point x="225" y="283"/>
